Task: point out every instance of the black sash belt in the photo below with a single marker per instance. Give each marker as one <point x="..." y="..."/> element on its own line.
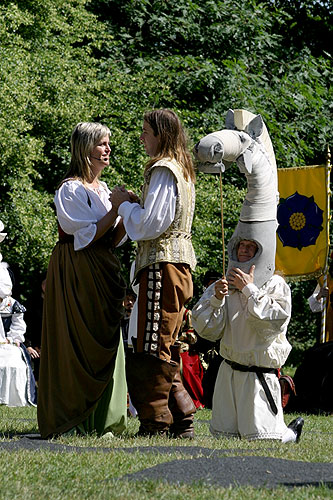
<point x="260" y="374"/>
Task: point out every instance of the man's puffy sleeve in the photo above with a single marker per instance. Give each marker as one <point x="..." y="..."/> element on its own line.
<point x="271" y="305"/>
<point x="271" y="302"/>
<point x="159" y="209"/>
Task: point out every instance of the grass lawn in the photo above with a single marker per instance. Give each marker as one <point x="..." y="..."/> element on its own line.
<point x="94" y="474"/>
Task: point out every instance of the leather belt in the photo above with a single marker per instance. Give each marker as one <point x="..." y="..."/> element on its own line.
<point x="260" y="374"/>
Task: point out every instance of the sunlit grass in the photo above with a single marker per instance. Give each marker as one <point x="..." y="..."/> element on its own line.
<point x="98" y="472"/>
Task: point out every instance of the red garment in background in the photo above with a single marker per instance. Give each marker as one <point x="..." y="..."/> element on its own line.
<point x="192" y="374"/>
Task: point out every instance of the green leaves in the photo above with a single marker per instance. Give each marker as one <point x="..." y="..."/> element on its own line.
<point x="110" y="60"/>
<point x="48" y="85"/>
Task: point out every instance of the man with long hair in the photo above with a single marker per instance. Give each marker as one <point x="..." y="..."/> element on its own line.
<point x="161" y="225"/>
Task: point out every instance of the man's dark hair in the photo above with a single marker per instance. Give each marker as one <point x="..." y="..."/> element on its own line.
<point x="211" y="276"/>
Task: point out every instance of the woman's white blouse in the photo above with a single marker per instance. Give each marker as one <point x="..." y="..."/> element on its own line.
<point x="159" y="208"/>
<point x="76" y="215"/>
<point x="251" y="324"/>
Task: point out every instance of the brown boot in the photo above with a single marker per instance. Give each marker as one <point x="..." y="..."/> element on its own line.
<point x="149" y="381"/>
<point x="180" y="403"/>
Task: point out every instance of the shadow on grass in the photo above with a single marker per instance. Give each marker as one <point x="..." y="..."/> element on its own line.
<point x="227" y="472"/>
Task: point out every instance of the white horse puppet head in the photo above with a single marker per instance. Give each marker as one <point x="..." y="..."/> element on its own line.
<point x="246" y="141"/>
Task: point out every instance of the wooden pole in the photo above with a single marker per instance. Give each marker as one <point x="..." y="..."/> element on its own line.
<point x="323" y="314"/>
<point x="222" y="226"/>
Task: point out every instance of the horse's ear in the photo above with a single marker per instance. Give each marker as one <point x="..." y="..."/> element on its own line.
<point x="244" y="162"/>
<point x="255" y="127"/>
<point x="230" y="120"/>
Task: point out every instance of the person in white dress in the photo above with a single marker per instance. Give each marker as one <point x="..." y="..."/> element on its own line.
<point x="252" y="325"/>
<point x="14" y="368"/>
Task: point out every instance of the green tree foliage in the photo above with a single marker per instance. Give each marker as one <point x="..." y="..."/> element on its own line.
<point x="47" y="82"/>
<point x="221" y="54"/>
<point x="67" y="61"/>
<point x="308" y="24"/>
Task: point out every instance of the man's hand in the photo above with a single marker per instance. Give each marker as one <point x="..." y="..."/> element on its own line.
<point x="221" y="288"/>
<point x="134" y="197"/>
<point x="239" y="279"/>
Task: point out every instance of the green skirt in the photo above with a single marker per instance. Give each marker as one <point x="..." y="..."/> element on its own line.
<point x="110" y="414"/>
<point x="82" y="380"/>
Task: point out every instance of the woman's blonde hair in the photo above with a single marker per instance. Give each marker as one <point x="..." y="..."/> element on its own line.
<point x="172" y="140"/>
<point x="85" y="136"/>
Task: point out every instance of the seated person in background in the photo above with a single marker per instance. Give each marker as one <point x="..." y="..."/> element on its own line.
<point x="316" y="301"/>
<point x="191" y="367"/>
<point x="33" y="319"/>
<point x="17" y="383"/>
<point x="129" y="302"/>
<point x="210" y="355"/>
<point x="14" y="368"/>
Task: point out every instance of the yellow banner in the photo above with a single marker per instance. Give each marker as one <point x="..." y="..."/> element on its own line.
<point x="303" y="221"/>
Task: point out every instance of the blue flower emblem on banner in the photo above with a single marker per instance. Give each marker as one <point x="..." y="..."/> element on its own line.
<point x="300" y="221"/>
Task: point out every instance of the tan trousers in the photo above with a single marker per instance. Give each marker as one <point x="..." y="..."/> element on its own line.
<point x="164" y="290"/>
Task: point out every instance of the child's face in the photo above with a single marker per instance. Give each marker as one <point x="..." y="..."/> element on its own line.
<point x="129" y="302"/>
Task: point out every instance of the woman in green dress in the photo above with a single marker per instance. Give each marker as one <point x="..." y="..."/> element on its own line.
<point x="82" y="384"/>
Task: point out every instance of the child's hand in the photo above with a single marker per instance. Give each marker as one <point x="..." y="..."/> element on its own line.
<point x="33" y="353"/>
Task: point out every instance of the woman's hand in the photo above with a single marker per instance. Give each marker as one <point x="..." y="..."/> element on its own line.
<point x="118" y="195"/>
<point x="221" y="288"/>
<point x="239" y="279"/>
